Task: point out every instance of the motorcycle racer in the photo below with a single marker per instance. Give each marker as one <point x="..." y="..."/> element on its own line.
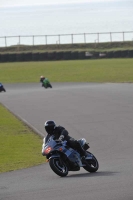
<point x="60" y="134"/>
<point x="2" y="88"/>
<point x="45" y="82"/>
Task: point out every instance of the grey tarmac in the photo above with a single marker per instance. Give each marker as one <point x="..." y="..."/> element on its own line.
<point x="101" y="113"/>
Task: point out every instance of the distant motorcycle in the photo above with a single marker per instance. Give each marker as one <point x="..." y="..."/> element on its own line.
<point x="45" y="82"/>
<point x="63" y="159"/>
<point x="2" y="89"/>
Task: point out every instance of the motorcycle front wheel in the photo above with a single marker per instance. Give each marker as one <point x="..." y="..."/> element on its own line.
<point x="92" y="164"/>
<point x="58" y="166"/>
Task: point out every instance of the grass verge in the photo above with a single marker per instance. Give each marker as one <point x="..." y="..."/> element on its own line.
<point x="19" y="146"/>
<point x="101" y="70"/>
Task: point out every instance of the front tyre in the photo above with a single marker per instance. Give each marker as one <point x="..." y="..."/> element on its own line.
<point x="59" y="167"/>
<point x="92" y="164"/>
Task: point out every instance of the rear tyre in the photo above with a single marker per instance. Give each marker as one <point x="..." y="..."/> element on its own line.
<point x="92" y="164"/>
<point x="49" y="85"/>
<point x="59" y="167"/>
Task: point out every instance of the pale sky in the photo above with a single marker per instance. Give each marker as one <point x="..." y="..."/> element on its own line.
<point x="7" y="3"/>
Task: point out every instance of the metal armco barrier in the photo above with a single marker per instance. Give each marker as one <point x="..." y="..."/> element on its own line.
<point x="6" y="41"/>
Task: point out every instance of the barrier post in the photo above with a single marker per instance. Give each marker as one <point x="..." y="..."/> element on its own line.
<point x="98" y="37"/>
<point x="72" y="38"/>
<point x="5" y="42"/>
<point x="84" y="38"/>
<point x="123" y="37"/>
<point x="33" y="40"/>
<point x="59" y="38"/>
<point x="110" y="37"/>
<point x="19" y="39"/>
<point x="46" y="39"/>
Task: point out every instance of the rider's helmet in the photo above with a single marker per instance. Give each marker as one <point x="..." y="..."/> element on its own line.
<point x="50" y="126"/>
<point x="42" y="78"/>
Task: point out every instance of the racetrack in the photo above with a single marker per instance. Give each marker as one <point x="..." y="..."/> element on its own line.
<point x="102" y="113"/>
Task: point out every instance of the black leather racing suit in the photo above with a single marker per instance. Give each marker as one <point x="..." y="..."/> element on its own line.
<point x="62" y="134"/>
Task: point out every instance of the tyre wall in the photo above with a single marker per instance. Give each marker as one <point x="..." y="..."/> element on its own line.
<point x="63" y="55"/>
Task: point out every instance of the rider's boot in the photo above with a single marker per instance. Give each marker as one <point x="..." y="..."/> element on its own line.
<point x="83" y="153"/>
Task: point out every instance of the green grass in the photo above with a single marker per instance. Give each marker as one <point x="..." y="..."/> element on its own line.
<point x="19" y="146"/>
<point x="104" y="70"/>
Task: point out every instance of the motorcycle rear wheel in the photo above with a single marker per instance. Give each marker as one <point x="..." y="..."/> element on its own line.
<point x="60" y="168"/>
<point x="92" y="164"/>
<point x="49" y="85"/>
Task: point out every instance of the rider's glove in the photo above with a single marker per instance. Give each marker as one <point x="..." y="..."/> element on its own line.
<point x="61" y="137"/>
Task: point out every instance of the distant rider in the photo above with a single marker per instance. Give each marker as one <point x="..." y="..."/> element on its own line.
<point x="45" y="82"/>
<point x="60" y="134"/>
<point x="2" y="88"/>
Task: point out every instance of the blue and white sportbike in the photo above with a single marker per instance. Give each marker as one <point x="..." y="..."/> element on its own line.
<point x="63" y="159"/>
<point x="2" y="89"/>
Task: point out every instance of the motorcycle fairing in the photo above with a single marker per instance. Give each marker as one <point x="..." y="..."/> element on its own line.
<point x="71" y="154"/>
<point x="89" y="156"/>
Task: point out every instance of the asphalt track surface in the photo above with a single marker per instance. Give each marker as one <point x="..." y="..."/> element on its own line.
<point x="102" y="113"/>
